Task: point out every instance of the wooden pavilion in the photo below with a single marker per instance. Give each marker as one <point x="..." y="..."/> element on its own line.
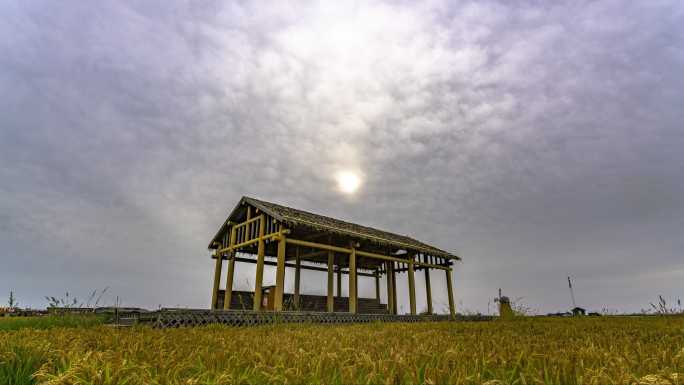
<point x="266" y="233"/>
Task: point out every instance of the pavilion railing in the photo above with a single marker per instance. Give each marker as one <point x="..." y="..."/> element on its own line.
<point x="250" y="232"/>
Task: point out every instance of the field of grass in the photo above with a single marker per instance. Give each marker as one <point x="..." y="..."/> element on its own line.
<point x="48" y="322"/>
<point x="607" y="350"/>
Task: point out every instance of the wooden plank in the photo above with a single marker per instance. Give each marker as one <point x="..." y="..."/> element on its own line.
<point x="247" y="222"/>
<point x="394" y="289"/>
<point x="339" y="276"/>
<point x="421" y="266"/>
<point x="412" y="288"/>
<point x="240" y="244"/>
<point x="280" y="275"/>
<point x="266" y="237"/>
<point x="390" y="289"/>
<point x="217" y="279"/>
<point x="428" y="290"/>
<point x="379" y="256"/>
<point x="298" y="272"/>
<point x="362" y="253"/>
<point x="331" y="263"/>
<point x="352" y="281"/>
<point x="452" y="309"/>
<point x="245" y="234"/>
<point x="228" y="295"/>
<point x="302" y="267"/>
<point x="315" y="245"/>
<point x="259" y="279"/>
<point x="377" y="285"/>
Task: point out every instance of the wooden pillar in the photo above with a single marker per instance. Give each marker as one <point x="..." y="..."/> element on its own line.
<point x="298" y="272"/>
<point x="228" y="295"/>
<point x="357" y="288"/>
<point x="331" y="277"/>
<point x="390" y="288"/>
<point x="352" y="280"/>
<point x="280" y="274"/>
<point x="339" y="277"/>
<point x="412" y="287"/>
<point x="452" y="309"/>
<point x="217" y="279"/>
<point x="377" y="285"/>
<point x="394" y="289"/>
<point x="259" y="279"/>
<point x="428" y="290"/>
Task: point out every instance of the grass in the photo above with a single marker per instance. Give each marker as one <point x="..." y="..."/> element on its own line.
<point x="18" y="364"/>
<point x="47" y="322"/>
<point x="606" y="350"/>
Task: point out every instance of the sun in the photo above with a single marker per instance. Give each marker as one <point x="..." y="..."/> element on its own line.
<point x="348" y="182"/>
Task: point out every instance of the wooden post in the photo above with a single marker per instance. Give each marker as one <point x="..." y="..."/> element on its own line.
<point x="428" y="290"/>
<point x="356" y="273"/>
<point x="280" y="275"/>
<point x="412" y="287"/>
<point x="298" y="272"/>
<point x="452" y="309"/>
<point x="390" y="289"/>
<point x="339" y="277"/>
<point x="377" y="285"/>
<point x="217" y="279"/>
<point x="261" y="249"/>
<point x="352" y="280"/>
<point x="331" y="276"/>
<point x="228" y="295"/>
<point x="394" y="289"/>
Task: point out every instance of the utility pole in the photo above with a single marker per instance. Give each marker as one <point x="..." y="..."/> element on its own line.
<point x="572" y="294"/>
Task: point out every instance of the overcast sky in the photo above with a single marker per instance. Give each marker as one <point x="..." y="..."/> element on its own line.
<point x="535" y="139"/>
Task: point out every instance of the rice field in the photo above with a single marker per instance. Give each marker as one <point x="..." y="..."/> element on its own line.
<point x="606" y="350"/>
<point x="48" y="322"/>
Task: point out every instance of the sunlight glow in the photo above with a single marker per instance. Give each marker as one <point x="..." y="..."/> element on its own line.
<point x="348" y="182"/>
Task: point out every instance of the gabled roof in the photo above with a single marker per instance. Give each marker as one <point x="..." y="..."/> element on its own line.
<point x="295" y="217"/>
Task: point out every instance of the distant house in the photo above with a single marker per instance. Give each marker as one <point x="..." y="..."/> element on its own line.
<point x="577" y="311"/>
<point x="560" y="314"/>
<point x="6" y="310"/>
<point x="265" y="233"/>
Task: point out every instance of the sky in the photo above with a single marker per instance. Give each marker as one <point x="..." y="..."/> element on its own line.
<point x="536" y="140"/>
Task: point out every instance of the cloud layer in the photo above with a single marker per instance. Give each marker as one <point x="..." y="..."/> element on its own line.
<point x="535" y="140"/>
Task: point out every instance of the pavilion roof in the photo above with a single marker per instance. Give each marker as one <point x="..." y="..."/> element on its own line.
<point x="295" y="217"/>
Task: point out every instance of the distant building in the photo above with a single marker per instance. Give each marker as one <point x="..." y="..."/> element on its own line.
<point x="505" y="310"/>
<point x="560" y="314"/>
<point x="577" y="311"/>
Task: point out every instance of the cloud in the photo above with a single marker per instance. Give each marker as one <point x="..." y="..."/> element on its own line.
<point x="529" y="138"/>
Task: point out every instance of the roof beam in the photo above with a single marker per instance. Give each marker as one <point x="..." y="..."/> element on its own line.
<point x="361" y="253"/>
<point x="303" y="267"/>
